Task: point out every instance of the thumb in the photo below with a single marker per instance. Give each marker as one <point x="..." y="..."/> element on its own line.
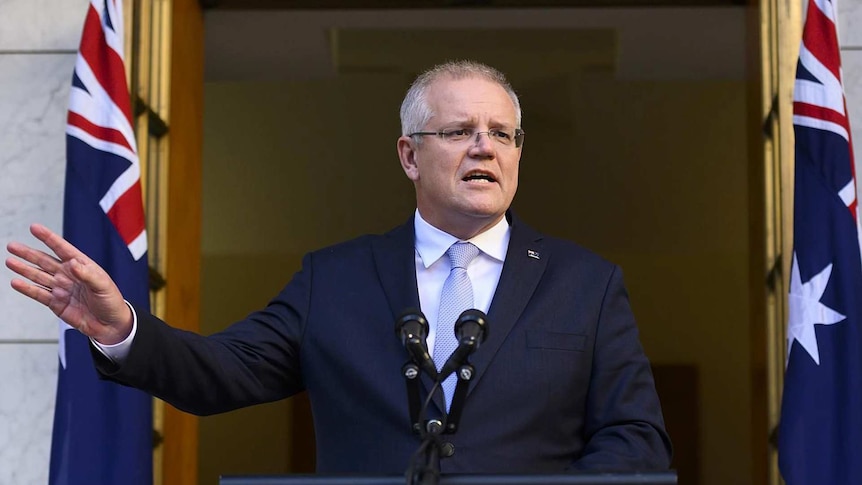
<point x="88" y="275"/>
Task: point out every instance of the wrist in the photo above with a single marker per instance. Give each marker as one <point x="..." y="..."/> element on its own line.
<point x="120" y="332"/>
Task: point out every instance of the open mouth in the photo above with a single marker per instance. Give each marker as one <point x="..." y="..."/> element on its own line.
<point x="479" y="177"/>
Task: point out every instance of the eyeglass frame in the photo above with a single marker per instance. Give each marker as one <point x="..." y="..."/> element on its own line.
<point x="517" y="137"/>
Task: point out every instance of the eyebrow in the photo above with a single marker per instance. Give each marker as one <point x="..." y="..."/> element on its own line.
<point x="472" y="122"/>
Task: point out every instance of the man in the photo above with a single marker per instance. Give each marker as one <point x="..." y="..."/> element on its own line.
<point x="561" y="383"/>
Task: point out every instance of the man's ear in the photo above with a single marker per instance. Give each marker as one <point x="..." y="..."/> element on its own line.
<point x="407" y="154"/>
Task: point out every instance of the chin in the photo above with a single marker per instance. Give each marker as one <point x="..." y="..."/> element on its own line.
<point x="485" y="214"/>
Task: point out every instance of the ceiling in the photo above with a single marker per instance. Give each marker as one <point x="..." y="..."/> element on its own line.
<point x="636" y="43"/>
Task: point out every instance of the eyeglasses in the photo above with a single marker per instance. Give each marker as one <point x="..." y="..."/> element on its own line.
<point x="460" y="135"/>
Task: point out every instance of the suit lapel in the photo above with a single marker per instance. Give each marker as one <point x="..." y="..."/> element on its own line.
<point x="395" y="258"/>
<point x="525" y="263"/>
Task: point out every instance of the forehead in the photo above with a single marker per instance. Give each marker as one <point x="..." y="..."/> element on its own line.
<point x="472" y="98"/>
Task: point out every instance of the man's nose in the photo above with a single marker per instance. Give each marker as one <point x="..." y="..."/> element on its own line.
<point x="480" y="133"/>
<point x="483" y="142"/>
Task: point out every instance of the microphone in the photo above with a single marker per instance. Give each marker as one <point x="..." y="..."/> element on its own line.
<point x="471" y="329"/>
<point x="412" y="328"/>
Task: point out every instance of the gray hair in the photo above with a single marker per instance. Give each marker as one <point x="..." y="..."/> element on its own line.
<point x="415" y="111"/>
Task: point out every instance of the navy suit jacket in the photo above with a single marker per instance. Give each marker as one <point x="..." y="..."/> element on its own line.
<point x="561" y="382"/>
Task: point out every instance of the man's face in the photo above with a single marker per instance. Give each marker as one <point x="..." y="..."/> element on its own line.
<point x="464" y="187"/>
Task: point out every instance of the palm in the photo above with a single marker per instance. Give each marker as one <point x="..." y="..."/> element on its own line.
<point x="72" y="286"/>
<point x="75" y="304"/>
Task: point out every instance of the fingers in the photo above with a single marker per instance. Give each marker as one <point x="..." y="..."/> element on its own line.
<point x="62" y="248"/>
<point x="38" y="293"/>
<point x="35" y="257"/>
<point x="33" y="273"/>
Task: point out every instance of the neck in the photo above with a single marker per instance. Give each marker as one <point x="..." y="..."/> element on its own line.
<point x="463" y="230"/>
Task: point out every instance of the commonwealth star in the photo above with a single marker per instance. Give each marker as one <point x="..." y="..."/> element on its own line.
<point x="806" y="310"/>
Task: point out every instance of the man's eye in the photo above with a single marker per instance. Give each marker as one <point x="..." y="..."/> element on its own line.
<point x="457" y="133"/>
<point x="501" y="134"/>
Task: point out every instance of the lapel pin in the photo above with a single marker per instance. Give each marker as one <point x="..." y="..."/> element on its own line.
<point x="533" y="254"/>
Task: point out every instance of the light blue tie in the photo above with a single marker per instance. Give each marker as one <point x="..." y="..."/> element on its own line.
<point x="457" y="296"/>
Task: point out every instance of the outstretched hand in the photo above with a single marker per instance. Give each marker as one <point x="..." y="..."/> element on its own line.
<point x="74" y="287"/>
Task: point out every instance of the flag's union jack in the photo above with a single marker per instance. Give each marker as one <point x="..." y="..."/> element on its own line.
<point x="820" y="433"/>
<point x="818" y="96"/>
<point x="100" y="117"/>
<point x="102" y="431"/>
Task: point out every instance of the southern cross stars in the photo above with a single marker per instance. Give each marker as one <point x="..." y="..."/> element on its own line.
<point x="807" y="311"/>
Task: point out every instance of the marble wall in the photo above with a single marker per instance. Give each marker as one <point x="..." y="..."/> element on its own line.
<point x="38" y="41"/>
<point x="850" y="39"/>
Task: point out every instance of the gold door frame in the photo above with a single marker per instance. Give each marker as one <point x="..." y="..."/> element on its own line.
<point x="781" y="32"/>
<point x="164" y="46"/>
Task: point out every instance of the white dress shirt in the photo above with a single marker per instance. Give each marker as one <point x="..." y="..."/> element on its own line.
<point x="433" y="266"/>
<point x="432" y="269"/>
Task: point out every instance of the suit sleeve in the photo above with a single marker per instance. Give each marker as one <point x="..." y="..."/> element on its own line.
<point x="624" y="428"/>
<point x="253" y="361"/>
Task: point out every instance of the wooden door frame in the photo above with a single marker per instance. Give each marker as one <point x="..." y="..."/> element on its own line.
<point x="183" y="235"/>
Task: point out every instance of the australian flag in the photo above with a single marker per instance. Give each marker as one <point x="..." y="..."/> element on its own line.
<point x="102" y="431"/>
<point x="820" y="434"/>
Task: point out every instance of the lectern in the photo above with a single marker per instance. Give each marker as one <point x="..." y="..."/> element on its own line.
<point x="665" y="478"/>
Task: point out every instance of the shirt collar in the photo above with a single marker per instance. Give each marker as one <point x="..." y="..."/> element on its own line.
<point x="432" y="243"/>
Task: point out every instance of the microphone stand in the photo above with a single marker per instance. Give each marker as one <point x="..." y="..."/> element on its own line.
<point x="465" y="373"/>
<point x="470" y="330"/>
<point x="411" y="372"/>
<point x="424" y="466"/>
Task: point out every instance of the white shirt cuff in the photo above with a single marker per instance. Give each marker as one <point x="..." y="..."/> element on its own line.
<point x="118" y="352"/>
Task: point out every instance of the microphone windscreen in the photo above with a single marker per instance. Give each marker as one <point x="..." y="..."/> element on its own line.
<point x="472" y="323"/>
<point x="411" y="317"/>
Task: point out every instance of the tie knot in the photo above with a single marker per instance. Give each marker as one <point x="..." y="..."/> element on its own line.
<point x="461" y="253"/>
